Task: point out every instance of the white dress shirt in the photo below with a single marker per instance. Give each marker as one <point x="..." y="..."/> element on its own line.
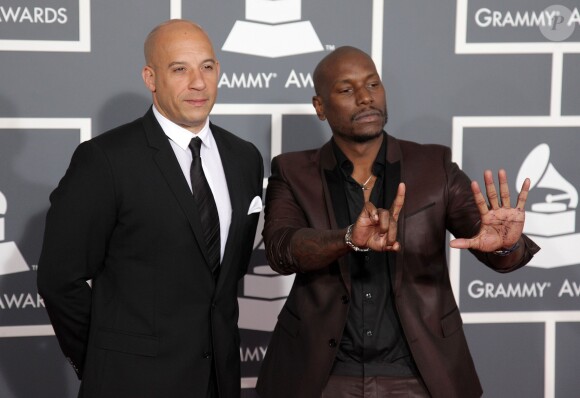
<point x="179" y="138"/>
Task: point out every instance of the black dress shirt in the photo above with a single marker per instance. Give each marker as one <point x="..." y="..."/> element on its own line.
<point x="373" y="343"/>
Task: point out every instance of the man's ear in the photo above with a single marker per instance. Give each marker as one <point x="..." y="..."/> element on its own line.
<point x="148" y="75"/>
<point x="317" y="103"/>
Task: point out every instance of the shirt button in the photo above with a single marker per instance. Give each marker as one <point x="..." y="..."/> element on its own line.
<point x="206" y="355"/>
<point x="345" y="299"/>
<point x="369" y="333"/>
<point x="332" y="343"/>
<point x="368" y="296"/>
<point x="367" y="257"/>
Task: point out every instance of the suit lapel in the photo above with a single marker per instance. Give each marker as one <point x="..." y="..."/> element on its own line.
<point x="394" y="175"/>
<point x="391" y="182"/>
<point x="169" y="167"/>
<point x="332" y="185"/>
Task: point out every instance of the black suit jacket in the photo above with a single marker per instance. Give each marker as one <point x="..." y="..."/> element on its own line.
<point x="124" y="217"/>
<point x="438" y="197"/>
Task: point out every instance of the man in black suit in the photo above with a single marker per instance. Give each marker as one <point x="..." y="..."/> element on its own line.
<point x="158" y="317"/>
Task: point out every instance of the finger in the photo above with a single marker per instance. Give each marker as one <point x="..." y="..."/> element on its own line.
<point x="462" y="243"/>
<point x="479" y="199"/>
<point x="398" y="202"/>
<point x="392" y="231"/>
<point x="369" y="211"/>
<point x="504" y="191"/>
<point x="384" y="221"/>
<point x="523" y="196"/>
<point x="395" y="247"/>
<point x="490" y="189"/>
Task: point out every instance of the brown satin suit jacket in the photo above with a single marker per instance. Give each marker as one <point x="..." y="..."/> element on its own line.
<point x="310" y="325"/>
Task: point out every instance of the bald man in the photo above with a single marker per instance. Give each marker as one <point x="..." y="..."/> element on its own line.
<point x="362" y="224"/>
<point x="159" y="316"/>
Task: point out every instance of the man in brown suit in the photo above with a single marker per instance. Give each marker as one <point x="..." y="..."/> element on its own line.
<point x="371" y="312"/>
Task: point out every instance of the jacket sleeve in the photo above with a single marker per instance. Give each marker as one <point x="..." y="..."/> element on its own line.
<point x="463" y="220"/>
<point x="283" y="217"/>
<point x="78" y="225"/>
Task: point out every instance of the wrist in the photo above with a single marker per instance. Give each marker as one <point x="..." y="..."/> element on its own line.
<point x="506" y="252"/>
<point x="348" y="241"/>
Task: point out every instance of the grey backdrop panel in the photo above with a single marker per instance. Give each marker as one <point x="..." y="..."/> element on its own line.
<point x="493" y="93"/>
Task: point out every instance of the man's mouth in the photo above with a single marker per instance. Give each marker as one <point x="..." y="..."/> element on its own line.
<point x="368" y="116"/>
<point x="196" y="101"/>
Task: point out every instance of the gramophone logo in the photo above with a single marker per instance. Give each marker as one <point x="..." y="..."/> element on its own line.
<point x="265" y="292"/>
<point x="11" y="260"/>
<point x="273" y="29"/>
<point x="551" y="223"/>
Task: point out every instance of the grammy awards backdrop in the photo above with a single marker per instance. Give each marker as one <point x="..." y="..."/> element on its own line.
<point x="496" y="80"/>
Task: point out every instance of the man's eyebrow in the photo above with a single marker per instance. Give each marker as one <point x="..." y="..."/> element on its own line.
<point x="349" y="80"/>
<point x="210" y="60"/>
<point x="176" y="63"/>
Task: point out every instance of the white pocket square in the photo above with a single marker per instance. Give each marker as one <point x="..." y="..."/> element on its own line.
<point x="256" y="205"/>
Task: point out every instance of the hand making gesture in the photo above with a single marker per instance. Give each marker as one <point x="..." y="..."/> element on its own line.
<point x="376" y="229"/>
<point x="501" y="224"/>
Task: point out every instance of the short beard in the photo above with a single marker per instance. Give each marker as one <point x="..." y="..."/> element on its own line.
<point x="361" y="139"/>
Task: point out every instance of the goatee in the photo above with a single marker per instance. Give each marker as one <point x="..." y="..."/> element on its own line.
<point x="362" y="138"/>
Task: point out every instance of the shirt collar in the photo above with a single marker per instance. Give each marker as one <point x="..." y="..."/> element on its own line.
<point x="179" y="135"/>
<point x="347" y="167"/>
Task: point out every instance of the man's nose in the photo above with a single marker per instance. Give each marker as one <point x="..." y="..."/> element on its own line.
<point x="196" y="80"/>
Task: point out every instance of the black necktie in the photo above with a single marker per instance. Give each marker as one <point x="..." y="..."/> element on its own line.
<point x="206" y="206"/>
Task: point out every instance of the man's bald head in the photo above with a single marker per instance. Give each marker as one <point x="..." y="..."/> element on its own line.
<point x="161" y="31"/>
<point x="350" y="95"/>
<point x="324" y="68"/>
<point x="181" y="72"/>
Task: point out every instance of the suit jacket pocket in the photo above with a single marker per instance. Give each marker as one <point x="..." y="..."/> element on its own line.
<point x="289" y="322"/>
<point x="128" y="343"/>
<point x="451" y="322"/>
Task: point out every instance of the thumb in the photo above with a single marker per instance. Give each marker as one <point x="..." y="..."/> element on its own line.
<point x="461" y="243"/>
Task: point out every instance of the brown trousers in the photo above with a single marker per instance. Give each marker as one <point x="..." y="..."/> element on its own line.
<point x="374" y="387"/>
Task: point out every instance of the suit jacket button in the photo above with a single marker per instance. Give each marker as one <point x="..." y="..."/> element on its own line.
<point x="206" y="355"/>
<point x="345" y="299"/>
<point x="332" y="343"/>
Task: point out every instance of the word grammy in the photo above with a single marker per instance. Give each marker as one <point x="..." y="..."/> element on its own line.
<point x="263" y="80"/>
<point x="42" y="15"/>
<point x="484" y="17"/>
<point x="479" y="289"/>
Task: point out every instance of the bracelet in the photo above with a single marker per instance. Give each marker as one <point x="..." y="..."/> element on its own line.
<point x="505" y="252"/>
<point x="348" y="241"/>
